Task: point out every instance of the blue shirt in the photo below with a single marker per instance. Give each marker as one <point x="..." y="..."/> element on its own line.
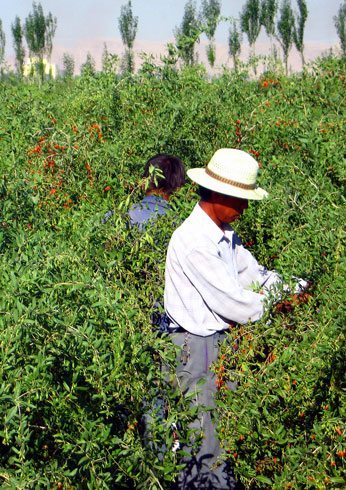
<point x="150" y="208"/>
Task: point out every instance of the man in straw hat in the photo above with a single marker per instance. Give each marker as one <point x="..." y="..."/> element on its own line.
<point x="207" y="289"/>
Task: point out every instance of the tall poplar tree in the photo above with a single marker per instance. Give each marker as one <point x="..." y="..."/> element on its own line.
<point x="234" y="44"/>
<point x="68" y="64"/>
<point x="109" y="60"/>
<point x="39" y="31"/>
<point x="298" y="33"/>
<point x="188" y="34"/>
<point x="267" y="18"/>
<point x="285" y="28"/>
<point x="128" y="24"/>
<point x="105" y="58"/>
<point x="340" y="25"/>
<point x="88" y="68"/>
<point x="210" y="14"/>
<point x="2" y="48"/>
<point x="250" y="21"/>
<point x="18" y="34"/>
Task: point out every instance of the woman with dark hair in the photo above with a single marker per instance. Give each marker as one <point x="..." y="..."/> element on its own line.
<point x="173" y="173"/>
<point x="161" y="186"/>
<point x="166" y="174"/>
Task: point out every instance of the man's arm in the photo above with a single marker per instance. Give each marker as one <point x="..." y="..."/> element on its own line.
<point x="250" y="271"/>
<point x="218" y="284"/>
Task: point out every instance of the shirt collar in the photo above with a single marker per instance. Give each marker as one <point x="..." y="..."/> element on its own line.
<point x="211" y="228"/>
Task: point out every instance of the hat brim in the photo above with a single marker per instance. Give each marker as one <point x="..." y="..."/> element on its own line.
<point x="200" y="176"/>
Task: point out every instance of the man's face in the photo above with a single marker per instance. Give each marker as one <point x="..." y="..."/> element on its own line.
<point x="226" y="208"/>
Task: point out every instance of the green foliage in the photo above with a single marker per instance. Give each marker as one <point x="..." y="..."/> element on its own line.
<point x="267" y="17"/>
<point x="128" y="24"/>
<point x="188" y="34"/>
<point x="286" y="29"/>
<point x="211" y="54"/>
<point x="267" y="20"/>
<point x="298" y="33"/>
<point x="234" y="43"/>
<point x="250" y="21"/>
<point x="68" y="64"/>
<point x="210" y="13"/>
<point x="109" y="61"/>
<point x="39" y="31"/>
<point x="88" y="67"/>
<point x="19" y="50"/>
<point x="340" y="25"/>
<point x="2" y="46"/>
<point x="80" y="362"/>
<point x="127" y="63"/>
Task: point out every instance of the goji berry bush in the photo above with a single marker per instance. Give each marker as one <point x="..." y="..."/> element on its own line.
<point x="80" y="360"/>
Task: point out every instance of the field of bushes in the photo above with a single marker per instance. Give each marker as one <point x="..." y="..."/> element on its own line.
<point x="79" y="358"/>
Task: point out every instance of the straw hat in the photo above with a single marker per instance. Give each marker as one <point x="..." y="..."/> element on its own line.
<point x="231" y="172"/>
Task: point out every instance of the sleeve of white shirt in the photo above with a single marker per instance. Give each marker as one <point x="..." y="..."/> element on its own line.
<point x="218" y="284"/>
<point x="251" y="272"/>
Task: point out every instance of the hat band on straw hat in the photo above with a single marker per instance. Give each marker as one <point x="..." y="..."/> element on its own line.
<point x="229" y="181"/>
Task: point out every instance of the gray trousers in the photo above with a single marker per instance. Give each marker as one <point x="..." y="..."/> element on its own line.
<point x="201" y="472"/>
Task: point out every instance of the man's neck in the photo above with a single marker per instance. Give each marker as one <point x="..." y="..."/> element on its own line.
<point x="208" y="208"/>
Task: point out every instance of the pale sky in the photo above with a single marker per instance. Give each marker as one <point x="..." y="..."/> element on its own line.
<point x="84" y="20"/>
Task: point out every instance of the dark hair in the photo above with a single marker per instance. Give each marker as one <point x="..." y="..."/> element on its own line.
<point x="173" y="171"/>
<point x="204" y="193"/>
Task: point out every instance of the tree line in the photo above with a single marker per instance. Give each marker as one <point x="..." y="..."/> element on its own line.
<point x="276" y="17"/>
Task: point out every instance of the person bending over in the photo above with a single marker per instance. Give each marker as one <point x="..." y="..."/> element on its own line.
<point x="209" y="279"/>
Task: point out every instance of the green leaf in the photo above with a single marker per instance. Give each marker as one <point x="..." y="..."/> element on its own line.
<point x="201" y="382"/>
<point x="338" y="480"/>
<point x="66" y="386"/>
<point x="264" y="479"/>
<point x="11" y="414"/>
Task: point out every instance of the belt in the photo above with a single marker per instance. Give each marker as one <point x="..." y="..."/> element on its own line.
<point x="176" y="330"/>
<point x="168" y="326"/>
<point x="182" y="330"/>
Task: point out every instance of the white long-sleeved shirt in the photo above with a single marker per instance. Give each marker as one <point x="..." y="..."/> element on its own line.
<point x="208" y="277"/>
